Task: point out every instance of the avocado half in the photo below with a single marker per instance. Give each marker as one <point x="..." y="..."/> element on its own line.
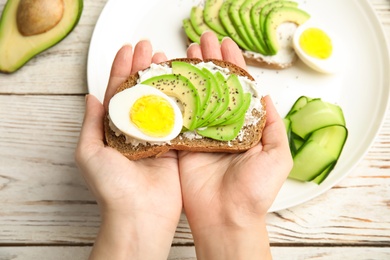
<point x="17" y="49"/>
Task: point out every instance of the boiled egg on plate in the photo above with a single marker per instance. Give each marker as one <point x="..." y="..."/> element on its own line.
<point x="317" y="47"/>
<point x="145" y="113"/>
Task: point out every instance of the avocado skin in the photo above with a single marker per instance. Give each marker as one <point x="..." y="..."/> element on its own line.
<point x="33" y="45"/>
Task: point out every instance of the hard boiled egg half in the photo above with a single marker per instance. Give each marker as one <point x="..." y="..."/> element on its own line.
<point x="317" y="47"/>
<point x="145" y="113"/>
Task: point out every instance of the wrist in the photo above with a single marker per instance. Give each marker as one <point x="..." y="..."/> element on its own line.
<point x="233" y="242"/>
<point x="132" y="236"/>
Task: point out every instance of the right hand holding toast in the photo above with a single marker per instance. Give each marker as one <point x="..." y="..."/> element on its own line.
<point x="226" y="196"/>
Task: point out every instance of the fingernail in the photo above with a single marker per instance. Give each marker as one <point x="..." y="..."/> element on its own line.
<point x="144" y="39"/>
<point x="207" y="31"/>
<point x="127" y="44"/>
<point x="192" y="44"/>
<point x="86" y="98"/>
<point x="225" y="38"/>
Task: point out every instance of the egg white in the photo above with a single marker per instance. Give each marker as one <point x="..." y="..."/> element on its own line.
<point x="121" y="103"/>
<point x="329" y="65"/>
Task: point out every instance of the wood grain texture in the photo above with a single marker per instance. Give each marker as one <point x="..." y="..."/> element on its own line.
<point x="46" y="211"/>
<point x="188" y="253"/>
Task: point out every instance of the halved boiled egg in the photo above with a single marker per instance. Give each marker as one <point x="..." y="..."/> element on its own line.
<point x="317" y="47"/>
<point x="145" y="113"/>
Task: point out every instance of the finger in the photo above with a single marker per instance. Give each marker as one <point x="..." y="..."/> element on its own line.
<point x="120" y="70"/>
<point x="142" y="57"/>
<point x="194" y="51"/>
<point x="274" y="134"/>
<point x="210" y="47"/>
<point x="231" y="52"/>
<point x="159" y="57"/>
<point x="92" y="129"/>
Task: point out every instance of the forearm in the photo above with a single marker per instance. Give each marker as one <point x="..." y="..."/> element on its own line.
<point x="123" y="237"/>
<point x="233" y="243"/>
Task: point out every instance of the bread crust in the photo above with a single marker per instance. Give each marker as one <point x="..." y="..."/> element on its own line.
<point x="250" y="59"/>
<point x="252" y="133"/>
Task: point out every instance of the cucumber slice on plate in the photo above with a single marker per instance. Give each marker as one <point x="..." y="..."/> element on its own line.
<point x="317" y="135"/>
<point x="319" y="160"/>
<point x="314" y="115"/>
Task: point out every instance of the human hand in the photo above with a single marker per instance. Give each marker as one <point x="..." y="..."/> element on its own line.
<point x="226" y="196"/>
<point x="140" y="201"/>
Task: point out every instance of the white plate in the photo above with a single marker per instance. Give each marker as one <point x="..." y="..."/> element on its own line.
<point x="361" y="88"/>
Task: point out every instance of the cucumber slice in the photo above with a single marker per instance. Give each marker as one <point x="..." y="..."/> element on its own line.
<point x="301" y="102"/>
<point x="320" y="178"/>
<point x="310" y="161"/>
<point x="317" y="155"/>
<point x="314" y="115"/>
<point x="317" y="135"/>
<point x="287" y="124"/>
<point x="295" y="143"/>
<point x="331" y="138"/>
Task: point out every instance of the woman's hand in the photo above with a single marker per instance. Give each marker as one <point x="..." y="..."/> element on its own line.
<point x="226" y="196"/>
<point x="140" y="201"/>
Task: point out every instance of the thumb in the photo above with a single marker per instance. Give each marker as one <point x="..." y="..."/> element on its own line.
<point x="92" y="129"/>
<point x="274" y="133"/>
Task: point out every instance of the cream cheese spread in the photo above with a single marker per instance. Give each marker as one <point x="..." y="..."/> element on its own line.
<point x="286" y="53"/>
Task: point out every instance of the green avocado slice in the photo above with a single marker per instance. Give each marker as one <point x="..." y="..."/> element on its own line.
<point x="255" y="21"/>
<point x="276" y="17"/>
<point x="235" y="100"/>
<point x="240" y="112"/>
<point x="190" y="31"/>
<point x="268" y="8"/>
<point x="222" y="100"/>
<point x="199" y="80"/>
<point x="211" y="16"/>
<point x="245" y="14"/>
<point x="234" y="15"/>
<point x="223" y="133"/>
<point x="227" y="23"/>
<point x="17" y="49"/>
<point x="213" y="103"/>
<point x="197" y="21"/>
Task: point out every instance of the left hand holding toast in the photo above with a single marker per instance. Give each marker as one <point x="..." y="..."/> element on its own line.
<point x="139" y="201"/>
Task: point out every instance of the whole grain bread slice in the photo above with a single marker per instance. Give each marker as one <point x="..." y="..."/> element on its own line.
<point x="251" y="134"/>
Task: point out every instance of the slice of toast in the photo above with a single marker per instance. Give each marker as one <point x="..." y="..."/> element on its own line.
<point x="250" y="134"/>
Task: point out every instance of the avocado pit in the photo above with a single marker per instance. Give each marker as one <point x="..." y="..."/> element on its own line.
<point x="38" y="16"/>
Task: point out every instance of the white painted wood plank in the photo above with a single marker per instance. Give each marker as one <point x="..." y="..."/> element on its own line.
<point x="188" y="253"/>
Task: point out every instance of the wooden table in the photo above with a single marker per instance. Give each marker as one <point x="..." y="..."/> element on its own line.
<point x="46" y="211"/>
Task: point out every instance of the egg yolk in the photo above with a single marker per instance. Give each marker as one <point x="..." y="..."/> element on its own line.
<point x="316" y="43"/>
<point x="153" y="115"/>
